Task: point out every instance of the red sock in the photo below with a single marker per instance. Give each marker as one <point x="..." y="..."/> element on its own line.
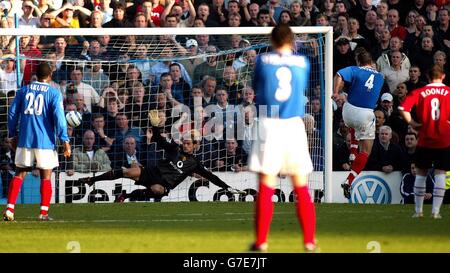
<point x="357" y="166"/>
<point x="306" y="214"/>
<point x="354" y="148"/>
<point x="46" y="195"/>
<point x="263" y="214"/>
<point x="13" y="192"/>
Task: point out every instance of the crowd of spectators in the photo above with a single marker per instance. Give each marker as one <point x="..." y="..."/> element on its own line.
<point x="114" y="81"/>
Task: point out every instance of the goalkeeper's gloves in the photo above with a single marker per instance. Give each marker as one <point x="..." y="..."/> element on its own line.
<point x="154" y="117"/>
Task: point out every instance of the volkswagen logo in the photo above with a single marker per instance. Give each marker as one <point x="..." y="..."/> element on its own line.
<point x="370" y="189"/>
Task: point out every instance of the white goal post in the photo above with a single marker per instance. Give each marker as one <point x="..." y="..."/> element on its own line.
<point x="325" y="67"/>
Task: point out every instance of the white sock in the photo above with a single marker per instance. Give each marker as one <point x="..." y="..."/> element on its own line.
<point x="419" y="192"/>
<point x="438" y="192"/>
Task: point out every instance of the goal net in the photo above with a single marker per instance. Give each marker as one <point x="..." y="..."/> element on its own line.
<point x="197" y="79"/>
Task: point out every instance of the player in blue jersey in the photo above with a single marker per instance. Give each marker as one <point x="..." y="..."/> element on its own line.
<point x="365" y="84"/>
<point x="37" y="111"/>
<point x="280" y="79"/>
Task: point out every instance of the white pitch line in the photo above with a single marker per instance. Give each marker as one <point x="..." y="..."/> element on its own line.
<point x="252" y="213"/>
<point x="136" y="220"/>
<point x="160" y="220"/>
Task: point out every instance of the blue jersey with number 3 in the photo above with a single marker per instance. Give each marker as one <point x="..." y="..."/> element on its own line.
<point x="279" y="82"/>
<point x="365" y="85"/>
<point x="38" y="109"/>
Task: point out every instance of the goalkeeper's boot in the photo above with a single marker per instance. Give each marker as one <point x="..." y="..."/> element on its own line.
<point x="259" y="248"/>
<point x="8" y="216"/>
<point x="45" y="218"/>
<point x="436" y="216"/>
<point x="417" y="215"/>
<point x="86" y="180"/>
<point x="235" y="191"/>
<point x="346" y="187"/>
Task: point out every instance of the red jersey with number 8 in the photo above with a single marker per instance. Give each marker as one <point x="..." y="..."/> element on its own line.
<point x="433" y="112"/>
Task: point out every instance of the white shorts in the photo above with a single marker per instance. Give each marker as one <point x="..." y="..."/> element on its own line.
<point x="46" y="159"/>
<point x="360" y="119"/>
<point x="280" y="146"/>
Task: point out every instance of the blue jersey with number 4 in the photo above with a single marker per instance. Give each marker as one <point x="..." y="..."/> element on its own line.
<point x="38" y="109"/>
<point x="279" y="82"/>
<point x="365" y="85"/>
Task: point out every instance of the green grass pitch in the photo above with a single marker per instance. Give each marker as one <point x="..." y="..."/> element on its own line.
<point x="213" y="227"/>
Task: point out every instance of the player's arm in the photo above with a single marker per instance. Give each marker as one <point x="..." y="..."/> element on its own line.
<point x="192" y="13"/>
<point x="83" y="10"/>
<point x="61" y="123"/>
<point x="203" y="172"/>
<point x="166" y="11"/>
<point x="338" y="84"/>
<point x="169" y="146"/>
<point x="405" y="108"/>
<point x="407" y="117"/>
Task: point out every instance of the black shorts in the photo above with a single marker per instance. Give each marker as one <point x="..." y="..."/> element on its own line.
<point x="151" y="176"/>
<point x="426" y="158"/>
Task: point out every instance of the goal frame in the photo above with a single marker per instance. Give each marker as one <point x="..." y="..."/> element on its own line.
<point x="327" y="31"/>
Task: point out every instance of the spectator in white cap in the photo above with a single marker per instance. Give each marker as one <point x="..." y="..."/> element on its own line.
<point x="192" y="50"/>
<point x="386" y="104"/>
<point x="191" y="43"/>
<point x="386" y="97"/>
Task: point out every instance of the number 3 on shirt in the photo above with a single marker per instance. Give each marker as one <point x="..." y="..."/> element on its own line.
<point x="34" y="104"/>
<point x="369" y="82"/>
<point x="284" y="89"/>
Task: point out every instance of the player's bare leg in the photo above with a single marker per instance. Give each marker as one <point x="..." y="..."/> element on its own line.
<point x="306" y="213"/>
<point x="132" y="173"/>
<point x="46" y="194"/>
<point x="358" y="165"/>
<point x="14" y="188"/>
<point x="263" y="211"/>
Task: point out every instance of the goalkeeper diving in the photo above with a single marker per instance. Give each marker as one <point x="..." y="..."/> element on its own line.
<point x="168" y="173"/>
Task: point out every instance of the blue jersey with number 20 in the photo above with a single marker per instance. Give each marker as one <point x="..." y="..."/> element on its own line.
<point x="365" y="85"/>
<point x="279" y="82"/>
<point x="38" y="109"/>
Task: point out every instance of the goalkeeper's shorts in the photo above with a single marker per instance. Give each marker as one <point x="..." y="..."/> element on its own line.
<point x="151" y="176"/>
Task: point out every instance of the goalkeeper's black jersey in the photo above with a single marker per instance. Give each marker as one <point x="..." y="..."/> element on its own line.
<point x="178" y="165"/>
